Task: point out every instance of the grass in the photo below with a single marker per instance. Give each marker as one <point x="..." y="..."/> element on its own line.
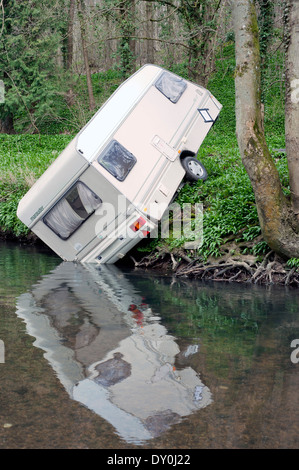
<point x="23" y="159"/>
<point x="227" y="198"/>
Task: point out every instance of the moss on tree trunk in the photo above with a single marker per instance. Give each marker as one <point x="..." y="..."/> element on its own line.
<point x="292" y="98"/>
<point x="277" y="220"/>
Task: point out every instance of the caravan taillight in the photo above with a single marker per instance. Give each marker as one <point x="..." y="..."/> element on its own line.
<point x="137" y="224"/>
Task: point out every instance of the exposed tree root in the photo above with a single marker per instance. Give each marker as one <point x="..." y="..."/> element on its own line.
<point x="271" y="270"/>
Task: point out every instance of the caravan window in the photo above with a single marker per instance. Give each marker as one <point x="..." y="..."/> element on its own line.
<point x="72" y="210"/>
<point x="117" y="160"/>
<point x="171" y="86"/>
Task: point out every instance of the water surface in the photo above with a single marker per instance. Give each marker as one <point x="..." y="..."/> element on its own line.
<point x="108" y="358"/>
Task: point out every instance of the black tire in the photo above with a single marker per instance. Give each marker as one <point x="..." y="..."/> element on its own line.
<point x="195" y="170"/>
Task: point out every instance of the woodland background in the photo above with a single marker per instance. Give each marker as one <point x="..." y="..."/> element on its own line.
<point x="60" y="60"/>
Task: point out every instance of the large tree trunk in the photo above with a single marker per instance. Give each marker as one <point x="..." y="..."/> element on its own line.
<point x="277" y="220"/>
<point x="292" y="98"/>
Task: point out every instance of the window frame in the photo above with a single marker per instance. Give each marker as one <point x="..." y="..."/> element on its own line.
<point x="64" y="197"/>
<point x="105" y="153"/>
<point x="175" y="79"/>
<point x="205" y="114"/>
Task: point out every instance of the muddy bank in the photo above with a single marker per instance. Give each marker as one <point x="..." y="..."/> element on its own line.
<point x="28" y="239"/>
<point x="242" y="269"/>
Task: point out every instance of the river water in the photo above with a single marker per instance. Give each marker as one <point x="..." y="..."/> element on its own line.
<point x="109" y="358"/>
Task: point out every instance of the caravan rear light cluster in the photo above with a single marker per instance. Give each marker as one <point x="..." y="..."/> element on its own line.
<point x="137" y="224"/>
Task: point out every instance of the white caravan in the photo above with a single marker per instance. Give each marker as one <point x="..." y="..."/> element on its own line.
<point x="111" y="185"/>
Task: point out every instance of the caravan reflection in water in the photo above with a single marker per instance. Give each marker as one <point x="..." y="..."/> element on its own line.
<point x="109" y="350"/>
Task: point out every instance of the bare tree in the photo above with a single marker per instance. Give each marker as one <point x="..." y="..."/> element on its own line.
<point x="278" y="222"/>
<point x="126" y="21"/>
<point x="150" y="52"/>
<point x="70" y="34"/>
<point x="83" y="30"/>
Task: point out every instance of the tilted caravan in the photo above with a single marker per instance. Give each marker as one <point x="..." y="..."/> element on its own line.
<point x="112" y="183"/>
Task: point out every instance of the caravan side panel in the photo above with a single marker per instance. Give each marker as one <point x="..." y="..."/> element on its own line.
<point x="110" y="212"/>
<point x="54" y="181"/>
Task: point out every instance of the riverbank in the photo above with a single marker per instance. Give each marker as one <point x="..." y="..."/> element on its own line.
<point x="271" y="269"/>
<point x="233" y="249"/>
<point x="230" y="268"/>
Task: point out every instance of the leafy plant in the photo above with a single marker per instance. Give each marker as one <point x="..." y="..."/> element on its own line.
<point x="293" y="263"/>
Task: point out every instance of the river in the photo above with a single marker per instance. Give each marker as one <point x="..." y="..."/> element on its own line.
<point x="102" y="357"/>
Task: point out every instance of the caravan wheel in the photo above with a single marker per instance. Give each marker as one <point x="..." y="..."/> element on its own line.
<point x="194" y="169"/>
